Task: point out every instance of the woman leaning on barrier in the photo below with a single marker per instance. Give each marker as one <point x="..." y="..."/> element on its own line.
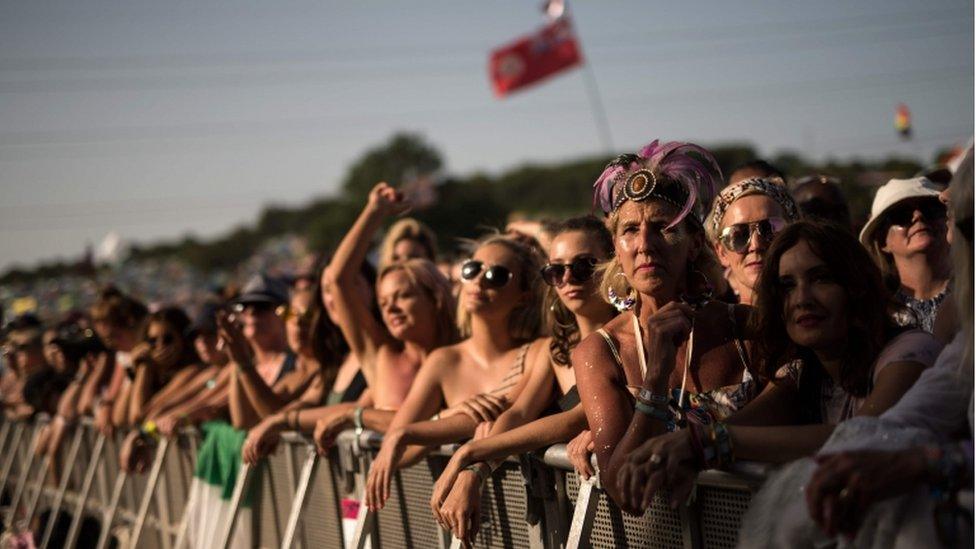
<point x="575" y="310"/>
<point x="499" y="312"/>
<point x="829" y="345"/>
<point x="673" y="348"/>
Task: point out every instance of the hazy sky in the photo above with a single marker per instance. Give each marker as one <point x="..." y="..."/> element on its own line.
<point x="157" y="119"/>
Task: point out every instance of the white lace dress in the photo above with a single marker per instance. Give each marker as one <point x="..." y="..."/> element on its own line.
<point x="938" y="405"/>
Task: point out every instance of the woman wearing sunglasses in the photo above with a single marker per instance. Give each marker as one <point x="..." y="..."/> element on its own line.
<point x="906" y="235"/>
<point x="675" y="354"/>
<point x="574" y="310"/>
<point x="499" y="313"/>
<point x="743" y="221"/>
<point x="828" y="344"/>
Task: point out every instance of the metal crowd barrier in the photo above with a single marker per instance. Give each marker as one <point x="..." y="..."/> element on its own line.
<point x="536" y="501"/>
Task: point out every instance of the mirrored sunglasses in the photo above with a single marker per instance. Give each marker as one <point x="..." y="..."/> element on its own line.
<point x="736" y="238"/>
<point x="496" y="276"/>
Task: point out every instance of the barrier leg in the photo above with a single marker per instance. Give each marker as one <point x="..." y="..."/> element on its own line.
<point x="227" y="533"/>
<point x="109" y="517"/>
<point x="4" y="431"/>
<point x="301" y="497"/>
<point x="162" y="508"/>
<point x="366" y="533"/>
<point x="42" y="473"/>
<point x="62" y="487"/>
<point x="22" y="480"/>
<point x="8" y="463"/>
<point x="184" y="522"/>
<point x="583" y="514"/>
<point x="96" y="458"/>
<point x="147" y="497"/>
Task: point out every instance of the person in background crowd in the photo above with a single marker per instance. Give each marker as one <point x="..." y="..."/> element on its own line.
<point x="906" y="235"/>
<point x="892" y="482"/>
<point x="744" y="219"/>
<point x="117" y="319"/>
<point x="821" y="197"/>
<point x="408" y="239"/>
<point x="340" y="379"/>
<point x="24" y="350"/>
<point x="756" y="169"/>
<point x="575" y="310"/>
<point x="499" y="314"/>
<point x="826" y="339"/>
<point x="655" y="202"/>
<point x="264" y="365"/>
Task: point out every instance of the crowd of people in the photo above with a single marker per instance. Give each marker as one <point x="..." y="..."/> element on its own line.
<point x="698" y="321"/>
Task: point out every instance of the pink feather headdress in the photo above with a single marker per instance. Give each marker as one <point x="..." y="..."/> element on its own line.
<point x="684" y="174"/>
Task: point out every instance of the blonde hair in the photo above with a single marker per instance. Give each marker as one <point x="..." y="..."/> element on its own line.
<point x="425" y="276"/>
<point x="525" y="321"/>
<point x="706" y="264"/>
<point x="407" y="228"/>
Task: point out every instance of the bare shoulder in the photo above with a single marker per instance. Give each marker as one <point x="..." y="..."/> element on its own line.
<point x="447" y="357"/>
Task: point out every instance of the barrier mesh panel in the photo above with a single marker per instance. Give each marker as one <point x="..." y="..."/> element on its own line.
<point x="406" y="520"/>
<point x="273" y="500"/>
<point x="503" y="503"/>
<point x="322" y="516"/>
<point x="659" y="527"/>
<point x="721" y="515"/>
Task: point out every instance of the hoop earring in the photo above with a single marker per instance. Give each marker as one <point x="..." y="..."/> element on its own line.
<point x="625" y="303"/>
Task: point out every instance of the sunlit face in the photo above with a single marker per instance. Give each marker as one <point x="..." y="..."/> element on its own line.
<point x="261" y="320"/>
<point x="408" y="311"/>
<point x="566" y="247"/>
<point x="116" y="338"/>
<point x="814" y="302"/>
<point x="481" y="297"/>
<point x="407" y="248"/>
<point x="206" y="345"/>
<point x="744" y="268"/>
<point x="165" y="343"/>
<point x="296" y="322"/>
<point x="922" y="234"/>
<point x="653" y="257"/>
<point x="52" y="352"/>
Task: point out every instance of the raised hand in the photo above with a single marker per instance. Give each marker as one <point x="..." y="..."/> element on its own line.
<point x="388" y="201"/>
<point x="234" y="341"/>
<point x="664" y="332"/>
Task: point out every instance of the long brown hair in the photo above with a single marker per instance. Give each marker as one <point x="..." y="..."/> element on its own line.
<point x="869" y="307"/>
<point x="562" y="322"/>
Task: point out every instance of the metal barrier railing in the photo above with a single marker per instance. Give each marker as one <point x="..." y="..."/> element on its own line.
<point x="301" y="498"/>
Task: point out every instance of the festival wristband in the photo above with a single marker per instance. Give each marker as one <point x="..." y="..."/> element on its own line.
<point x="482" y="470"/>
<point x="653" y="412"/>
<point x="149" y="429"/>
<point x="650" y="398"/>
<point x="357" y="420"/>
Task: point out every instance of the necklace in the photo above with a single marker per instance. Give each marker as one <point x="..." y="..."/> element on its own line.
<point x="642" y="357"/>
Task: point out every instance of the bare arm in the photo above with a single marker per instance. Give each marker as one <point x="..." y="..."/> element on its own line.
<point x="540" y="433"/>
<point x="362" y="331"/>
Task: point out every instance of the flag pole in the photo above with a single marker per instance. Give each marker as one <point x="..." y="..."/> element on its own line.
<point x="596" y="107"/>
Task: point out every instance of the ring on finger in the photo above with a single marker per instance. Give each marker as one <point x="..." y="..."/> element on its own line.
<point x="656" y="460"/>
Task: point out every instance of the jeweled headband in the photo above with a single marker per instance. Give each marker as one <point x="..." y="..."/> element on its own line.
<point x="682" y="174"/>
<point x="771" y="187"/>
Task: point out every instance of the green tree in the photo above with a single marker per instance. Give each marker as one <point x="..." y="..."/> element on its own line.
<point x="404" y="154"/>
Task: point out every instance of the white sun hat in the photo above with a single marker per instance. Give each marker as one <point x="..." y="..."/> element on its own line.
<point x="890" y="194"/>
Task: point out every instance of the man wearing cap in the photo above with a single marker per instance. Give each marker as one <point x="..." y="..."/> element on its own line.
<point x="906" y="235"/>
<point x="25" y="356"/>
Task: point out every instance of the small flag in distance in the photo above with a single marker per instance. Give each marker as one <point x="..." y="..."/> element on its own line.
<point x="535" y="57"/>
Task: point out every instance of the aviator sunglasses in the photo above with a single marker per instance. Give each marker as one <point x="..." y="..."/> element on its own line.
<point x="496" y="276"/>
<point x="736" y="237"/>
<point x="903" y="214"/>
<point x="580" y="269"/>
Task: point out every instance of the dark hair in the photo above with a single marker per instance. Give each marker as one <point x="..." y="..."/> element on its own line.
<point x="764" y="169"/>
<point x="565" y="330"/>
<point x="41" y="386"/>
<point x="178" y="320"/>
<point x="869" y="309"/>
<point x="328" y="345"/>
<point x="118" y="309"/>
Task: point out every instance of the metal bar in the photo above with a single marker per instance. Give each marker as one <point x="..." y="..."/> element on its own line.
<point x="191" y="503"/>
<point x="11" y="454"/>
<point x="79" y="435"/>
<point x="22" y="478"/>
<point x="150" y="490"/>
<point x="86" y="485"/>
<point x="4" y="431"/>
<point x="583" y="514"/>
<point x="36" y="497"/>
<point x="162" y="502"/>
<point x="227" y="533"/>
<point x="301" y="498"/>
<point x="109" y="516"/>
<point x="292" y="482"/>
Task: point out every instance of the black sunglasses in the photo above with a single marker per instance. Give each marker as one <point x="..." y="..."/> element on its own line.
<point x="165" y="339"/>
<point x="580" y="269"/>
<point x="497" y="276"/>
<point x="903" y="214"/>
<point x="736" y="237"/>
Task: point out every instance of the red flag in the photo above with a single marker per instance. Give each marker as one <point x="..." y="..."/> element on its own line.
<point x="534" y="57"/>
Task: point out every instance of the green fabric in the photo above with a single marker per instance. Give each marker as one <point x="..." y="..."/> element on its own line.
<point x="219" y="459"/>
